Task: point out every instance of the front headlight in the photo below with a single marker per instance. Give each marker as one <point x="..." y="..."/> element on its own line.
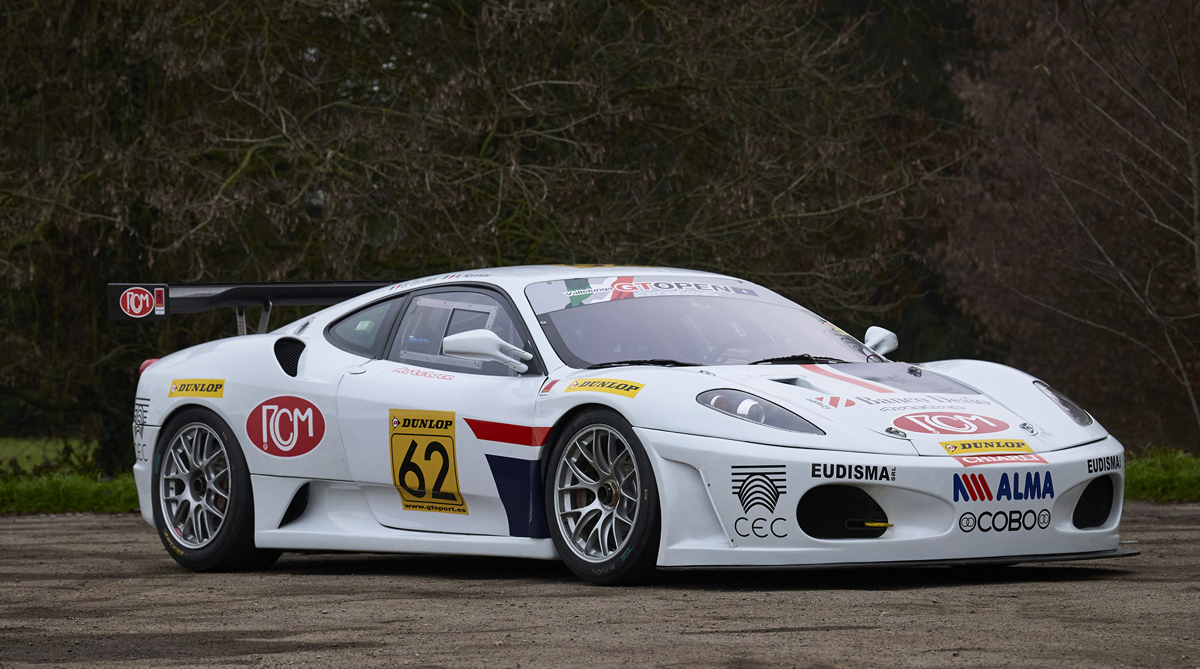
<point x="756" y="410"/>
<point x="1076" y="412"/>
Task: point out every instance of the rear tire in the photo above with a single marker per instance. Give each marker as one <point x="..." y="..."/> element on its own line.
<point x="602" y="500"/>
<point x="202" y="498"/>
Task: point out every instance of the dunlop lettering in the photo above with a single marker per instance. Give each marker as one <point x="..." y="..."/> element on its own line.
<point x="612" y="386"/>
<point x="197" y="388"/>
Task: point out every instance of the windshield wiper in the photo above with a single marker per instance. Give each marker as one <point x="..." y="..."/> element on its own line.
<point x="803" y="359"/>
<point x="660" y="362"/>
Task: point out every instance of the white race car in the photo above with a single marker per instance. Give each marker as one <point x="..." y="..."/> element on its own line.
<point x="621" y="419"/>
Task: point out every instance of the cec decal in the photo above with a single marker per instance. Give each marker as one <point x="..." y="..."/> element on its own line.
<point x="975" y="487"/>
<point x="944" y="422"/>
<point x="286" y="426"/>
<point x="958" y="448"/>
<point x="197" y="388"/>
<point x="424" y="469"/>
<point x="759" y="486"/>
<point x="613" y="386"/>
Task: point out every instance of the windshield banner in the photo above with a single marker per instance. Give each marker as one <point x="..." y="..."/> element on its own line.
<point x="550" y="296"/>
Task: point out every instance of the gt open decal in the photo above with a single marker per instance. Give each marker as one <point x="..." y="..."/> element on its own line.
<point x="613" y="386"/>
<point x="214" y="388"/>
<point x="424" y="469"/>
<point x="946" y="422"/>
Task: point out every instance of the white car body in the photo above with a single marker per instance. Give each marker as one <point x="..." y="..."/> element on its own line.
<point x="937" y="508"/>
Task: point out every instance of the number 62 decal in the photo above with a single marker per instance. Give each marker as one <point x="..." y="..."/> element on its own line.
<point x="424" y="469"/>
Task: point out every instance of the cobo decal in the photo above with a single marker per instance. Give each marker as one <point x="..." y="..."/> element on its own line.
<point x="286" y="426"/>
<point x="946" y="422"/>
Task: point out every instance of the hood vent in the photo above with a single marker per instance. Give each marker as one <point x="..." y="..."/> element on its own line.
<point x="287" y="352"/>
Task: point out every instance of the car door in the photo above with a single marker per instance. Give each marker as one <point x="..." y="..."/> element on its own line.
<point x="442" y="443"/>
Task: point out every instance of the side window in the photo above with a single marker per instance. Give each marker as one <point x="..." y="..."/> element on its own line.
<point x="363" y="331"/>
<point x="432" y="317"/>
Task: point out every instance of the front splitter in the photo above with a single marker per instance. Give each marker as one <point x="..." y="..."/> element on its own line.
<point x="959" y="562"/>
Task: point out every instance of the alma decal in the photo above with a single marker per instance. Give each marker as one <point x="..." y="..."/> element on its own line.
<point x="213" y="388"/>
<point x="939" y="422"/>
<point x="424" y="468"/>
<point x="975" y="488"/>
<point x="612" y="386"/>
<point x="976" y="447"/>
<point x="286" y="426"/>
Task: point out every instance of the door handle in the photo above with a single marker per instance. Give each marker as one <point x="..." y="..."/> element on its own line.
<point x="355" y="370"/>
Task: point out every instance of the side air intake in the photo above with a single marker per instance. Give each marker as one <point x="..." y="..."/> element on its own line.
<point x="287" y="352"/>
<point x="840" y="512"/>
<point x="1094" y="505"/>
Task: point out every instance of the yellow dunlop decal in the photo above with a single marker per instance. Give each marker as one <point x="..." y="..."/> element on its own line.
<point x="197" y="388"/>
<point x="424" y="470"/>
<point x="614" y="386"/>
<point x="975" y="447"/>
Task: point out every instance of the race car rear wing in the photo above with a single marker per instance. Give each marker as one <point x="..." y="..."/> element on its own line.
<point x="157" y="301"/>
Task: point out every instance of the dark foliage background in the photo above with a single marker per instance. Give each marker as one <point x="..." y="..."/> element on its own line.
<point x="841" y="153"/>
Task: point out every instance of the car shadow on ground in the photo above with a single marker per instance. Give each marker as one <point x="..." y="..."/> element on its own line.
<point x="468" y="568"/>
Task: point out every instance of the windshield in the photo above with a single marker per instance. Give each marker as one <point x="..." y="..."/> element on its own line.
<point x="614" y="319"/>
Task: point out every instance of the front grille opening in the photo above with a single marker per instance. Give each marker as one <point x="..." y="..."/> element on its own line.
<point x="297" y="507"/>
<point x="839" y="512"/>
<point x="1095" y="504"/>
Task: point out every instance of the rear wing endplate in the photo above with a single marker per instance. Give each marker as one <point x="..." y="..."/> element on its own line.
<point x="157" y="301"/>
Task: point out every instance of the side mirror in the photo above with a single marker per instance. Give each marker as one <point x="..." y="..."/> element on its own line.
<point x="486" y="345"/>
<point x="881" y="340"/>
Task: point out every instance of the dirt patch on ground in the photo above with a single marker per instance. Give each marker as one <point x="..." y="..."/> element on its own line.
<point x="100" y="591"/>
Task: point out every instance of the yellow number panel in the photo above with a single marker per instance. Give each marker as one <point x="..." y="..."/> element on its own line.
<point x="424" y="470"/>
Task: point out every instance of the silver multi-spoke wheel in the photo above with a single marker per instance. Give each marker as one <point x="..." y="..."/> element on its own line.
<point x="194" y="481"/>
<point x="596" y="486"/>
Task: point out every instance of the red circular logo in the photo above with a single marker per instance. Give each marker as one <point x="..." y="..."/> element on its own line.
<point x="137" y="302"/>
<point x="940" y="422"/>
<point x="285" y="426"/>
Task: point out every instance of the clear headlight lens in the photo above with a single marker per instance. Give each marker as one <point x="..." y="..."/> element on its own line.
<point x="756" y="410"/>
<point x="1076" y="412"/>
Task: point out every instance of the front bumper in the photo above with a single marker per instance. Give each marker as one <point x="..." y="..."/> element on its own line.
<point x="711" y="518"/>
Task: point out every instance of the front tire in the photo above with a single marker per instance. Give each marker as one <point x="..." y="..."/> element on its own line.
<point x="203" y="502"/>
<point x="602" y="500"/>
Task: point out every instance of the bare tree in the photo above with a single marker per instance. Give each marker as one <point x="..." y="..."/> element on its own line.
<point x="1085" y="204"/>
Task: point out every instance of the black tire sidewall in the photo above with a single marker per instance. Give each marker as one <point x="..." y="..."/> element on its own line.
<point x="640" y="557"/>
<point x="235" y="538"/>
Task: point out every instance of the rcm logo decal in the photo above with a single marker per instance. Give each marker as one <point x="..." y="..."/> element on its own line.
<point x="938" y="422"/>
<point x="137" y="302"/>
<point x="286" y="426"/>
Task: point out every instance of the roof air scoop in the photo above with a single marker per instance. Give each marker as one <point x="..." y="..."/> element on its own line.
<point x="287" y="352"/>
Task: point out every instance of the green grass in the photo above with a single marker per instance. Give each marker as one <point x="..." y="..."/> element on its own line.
<point x="24" y="455"/>
<point x="59" y="493"/>
<point x="1163" y="475"/>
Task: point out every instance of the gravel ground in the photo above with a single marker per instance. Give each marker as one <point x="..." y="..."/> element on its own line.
<point x="100" y="590"/>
